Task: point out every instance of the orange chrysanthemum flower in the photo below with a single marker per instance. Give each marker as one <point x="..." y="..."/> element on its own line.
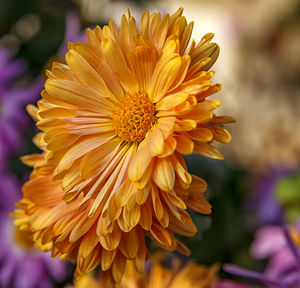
<point x="115" y="122"/>
<point x="190" y="276"/>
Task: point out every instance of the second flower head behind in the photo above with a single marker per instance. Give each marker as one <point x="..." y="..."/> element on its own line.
<point x="191" y="275"/>
<point x="115" y="120"/>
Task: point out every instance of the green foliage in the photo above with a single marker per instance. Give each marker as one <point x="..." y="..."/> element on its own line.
<point x="288" y="194"/>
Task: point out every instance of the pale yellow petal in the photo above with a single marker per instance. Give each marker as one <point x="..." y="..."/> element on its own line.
<point x="155" y="141"/>
<point x="85" y="72"/>
<point x="171" y="101"/>
<point x="163" y="174"/>
<point x="142" y="61"/>
<point x="164" y="75"/>
<point x="115" y="58"/>
<point x="166" y="125"/>
<point x="141" y="160"/>
<point x="169" y="147"/>
<point x="76" y="94"/>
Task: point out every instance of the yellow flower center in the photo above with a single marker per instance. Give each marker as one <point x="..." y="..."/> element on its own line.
<point x="133" y="117"/>
<point x="23" y="238"/>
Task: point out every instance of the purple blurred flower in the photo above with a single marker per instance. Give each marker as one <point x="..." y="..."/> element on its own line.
<point x="283" y="269"/>
<point x="22" y="266"/>
<point x="231" y="284"/>
<point x="10" y="69"/>
<point x="12" y="101"/>
<point x="73" y="33"/>
<point x="264" y="202"/>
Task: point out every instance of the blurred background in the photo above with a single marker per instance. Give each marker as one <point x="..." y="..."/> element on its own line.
<point x="256" y="188"/>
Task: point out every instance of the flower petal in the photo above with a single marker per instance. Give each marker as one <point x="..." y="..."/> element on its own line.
<point x="141" y="160"/>
<point x="165" y="73"/>
<point x="208" y="150"/>
<point x="163" y="174"/>
<point x="155" y="141"/>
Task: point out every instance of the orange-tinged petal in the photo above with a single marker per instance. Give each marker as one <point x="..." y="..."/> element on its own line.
<point x="88" y="243"/>
<point x="157" y="205"/>
<point x="221" y="134"/>
<point x="132" y="217"/>
<point x="146" y="218"/>
<point x="185" y="229"/>
<point x="118" y="267"/>
<point x="184" y="144"/>
<point x="61" y="141"/>
<point x="163" y="76"/>
<point x="89" y="263"/>
<point x="142" y="195"/>
<point x="42" y="191"/>
<point x="141" y="160"/>
<point x="142" y="61"/>
<point x="98" y="62"/>
<point x="128" y="33"/>
<point x="31" y="159"/>
<point x="211" y="90"/>
<point x="113" y="182"/>
<point x="113" y="211"/>
<point x="186" y="124"/>
<point x="81" y="149"/>
<point x="129" y="244"/>
<point x="56" y="112"/>
<point x="181" y="171"/>
<point x="73" y="93"/>
<point x="86" y="72"/>
<point x="169" y="147"/>
<point x="161" y="236"/>
<point x="124" y="193"/>
<point x="81" y="227"/>
<point x="99" y="158"/>
<point x="157" y="277"/>
<point x="199" y="204"/>
<point x="185" y="63"/>
<point x="32" y="111"/>
<point x="155" y="141"/>
<point x="201" y="134"/>
<point x="141" y="183"/>
<point x="107" y="258"/>
<point x="115" y="58"/>
<point x="222" y="119"/>
<point x="112" y="240"/>
<point x="171" y="101"/>
<point x="208" y="150"/>
<point x="186" y="37"/>
<point x="166" y="125"/>
<point x="160" y="32"/>
<point x="182" y="248"/>
<point x="198" y="184"/>
<point x="176" y="201"/>
<point x="163" y="174"/>
<point x="145" y="23"/>
<point x="205" y="49"/>
<point x="141" y="255"/>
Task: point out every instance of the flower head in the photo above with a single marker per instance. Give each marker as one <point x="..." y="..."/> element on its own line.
<point x="189" y="276"/>
<point x="115" y="120"/>
<point x="18" y="256"/>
